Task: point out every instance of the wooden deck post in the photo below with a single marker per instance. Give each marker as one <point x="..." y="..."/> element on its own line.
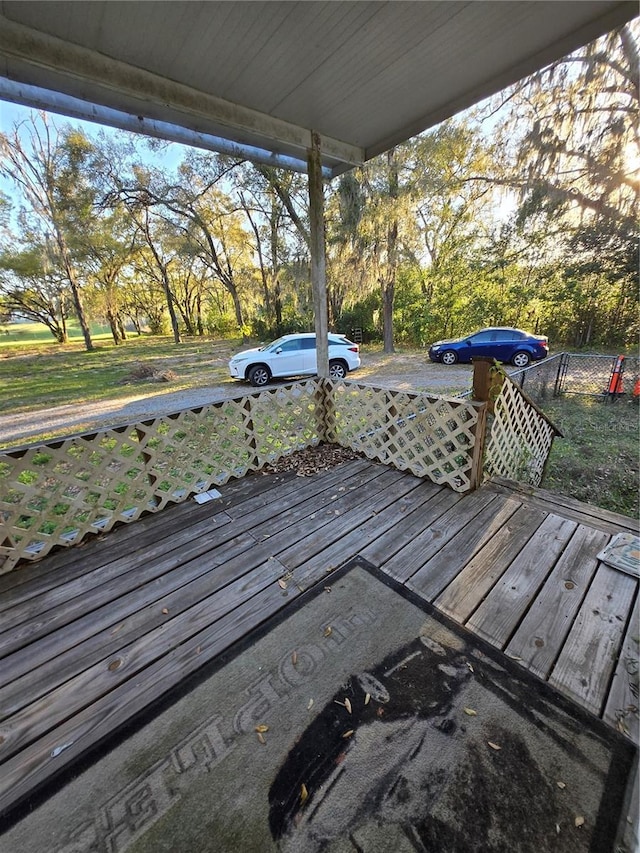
<point x="477" y="465"/>
<point x="486" y="382"/>
<point x="317" y="247"/>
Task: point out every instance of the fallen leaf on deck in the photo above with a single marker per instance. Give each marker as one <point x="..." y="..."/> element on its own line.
<point x="579" y="821"/>
<point x="470" y="667"/>
<point x="327" y="589"/>
<point x="327" y="631"/>
<point x="493" y="745"/>
<point x="262" y="728"/>
<point x="471" y="712"/>
<point x="561" y="785"/>
<point x="367" y="698"/>
<point x="165" y="611"/>
<point x="294" y="658"/>
<point x="347" y="705"/>
<point x="310" y="705"/>
<point x="282" y="583"/>
<point x="261" y="738"/>
<point x="348" y="734"/>
<point x="304" y="794"/>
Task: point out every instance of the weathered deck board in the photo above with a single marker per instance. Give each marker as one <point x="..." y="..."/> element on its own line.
<point x="406" y="561"/>
<point x="472" y="584"/>
<point x="544" y="629"/>
<point x="90" y="636"/>
<point x="623" y="693"/>
<point x="586" y="662"/>
<point x="567" y="507"/>
<point x="501" y="611"/>
<point x="443" y="567"/>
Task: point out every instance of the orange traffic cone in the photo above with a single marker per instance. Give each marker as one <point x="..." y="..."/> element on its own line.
<point x="615" y="383"/>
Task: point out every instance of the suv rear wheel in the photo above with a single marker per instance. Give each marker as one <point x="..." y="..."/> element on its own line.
<point x="337" y="370"/>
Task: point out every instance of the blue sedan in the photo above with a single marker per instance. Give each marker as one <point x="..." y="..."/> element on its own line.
<point x="504" y="344"/>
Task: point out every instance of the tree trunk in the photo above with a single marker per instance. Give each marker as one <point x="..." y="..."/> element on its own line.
<point x="75" y="290"/>
<point x="389" y="284"/>
<point x="388" y="292"/>
<point x="175" y="328"/>
<point x="111" y="320"/>
<point x="237" y="307"/>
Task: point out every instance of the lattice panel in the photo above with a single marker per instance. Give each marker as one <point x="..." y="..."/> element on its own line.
<point x="58" y="493"/>
<point x="520" y="439"/>
<point x="431" y="437"/>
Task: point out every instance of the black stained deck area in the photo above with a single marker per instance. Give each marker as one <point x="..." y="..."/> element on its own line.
<point x="93" y="635"/>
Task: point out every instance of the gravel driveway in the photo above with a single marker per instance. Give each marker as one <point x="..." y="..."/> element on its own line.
<point x="406" y="372"/>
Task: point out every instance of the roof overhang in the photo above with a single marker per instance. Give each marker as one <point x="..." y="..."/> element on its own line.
<point x="258" y="78"/>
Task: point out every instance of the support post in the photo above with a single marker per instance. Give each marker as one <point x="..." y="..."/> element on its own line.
<point x="318" y="261"/>
<point x="486" y="382"/>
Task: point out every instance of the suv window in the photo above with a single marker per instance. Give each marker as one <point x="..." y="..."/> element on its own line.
<point x="291" y="346"/>
<point x="308" y="343"/>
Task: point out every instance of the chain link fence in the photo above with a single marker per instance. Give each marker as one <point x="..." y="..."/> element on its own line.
<point x="574" y="373"/>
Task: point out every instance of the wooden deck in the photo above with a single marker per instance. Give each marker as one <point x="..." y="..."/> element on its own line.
<point x="92" y="635"/>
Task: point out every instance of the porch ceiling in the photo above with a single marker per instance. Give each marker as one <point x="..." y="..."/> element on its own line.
<point x="364" y="75"/>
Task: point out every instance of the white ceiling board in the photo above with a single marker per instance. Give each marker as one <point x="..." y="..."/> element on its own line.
<point x="365" y="75"/>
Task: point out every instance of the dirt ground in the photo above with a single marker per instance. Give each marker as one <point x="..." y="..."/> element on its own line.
<point x="403" y="371"/>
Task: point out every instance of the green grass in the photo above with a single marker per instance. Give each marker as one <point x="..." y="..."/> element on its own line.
<point x="25" y="334"/>
<point x="597" y="461"/>
<point x="37" y="374"/>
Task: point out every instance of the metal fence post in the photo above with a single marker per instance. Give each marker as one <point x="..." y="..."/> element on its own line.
<point x="560" y="374"/>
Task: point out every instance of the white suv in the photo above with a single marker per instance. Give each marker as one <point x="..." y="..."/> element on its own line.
<point x="294" y="355"/>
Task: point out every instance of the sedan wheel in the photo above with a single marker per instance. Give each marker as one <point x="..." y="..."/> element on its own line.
<point x="337" y="370"/>
<point x="259" y="375"/>
<point x="449" y="357"/>
<point x="521" y="359"/>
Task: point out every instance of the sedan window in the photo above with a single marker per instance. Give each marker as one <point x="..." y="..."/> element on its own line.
<point x="482" y="337"/>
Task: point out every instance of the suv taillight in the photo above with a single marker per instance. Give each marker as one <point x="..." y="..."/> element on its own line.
<point x="355" y="348"/>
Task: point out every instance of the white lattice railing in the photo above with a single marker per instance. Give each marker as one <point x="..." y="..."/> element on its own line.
<point x="520" y="437"/>
<point x="432" y="437"/>
<point x="59" y="493"/>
